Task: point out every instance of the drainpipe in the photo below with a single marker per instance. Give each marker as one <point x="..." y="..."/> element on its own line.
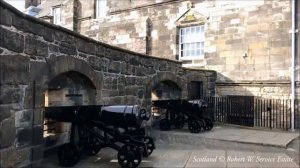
<point x="293" y="56"/>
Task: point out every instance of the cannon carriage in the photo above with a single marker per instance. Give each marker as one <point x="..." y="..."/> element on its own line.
<point x="178" y="112"/>
<point x="95" y="126"/>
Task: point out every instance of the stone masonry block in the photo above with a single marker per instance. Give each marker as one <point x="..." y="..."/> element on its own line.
<point x="10" y="94"/>
<point x="38" y="138"/>
<point x="67" y="48"/>
<point x="114" y="67"/>
<point x="63" y="37"/>
<point x="97" y="63"/>
<point x="14" y="69"/>
<point x="48" y="34"/>
<point x="126" y="69"/>
<point x="5" y="17"/>
<point x="7" y="110"/>
<point x="35" y="47"/>
<point x="27" y="26"/>
<point x="11" y="40"/>
<point x="39" y="100"/>
<point x="7" y="132"/>
<point x="24" y="137"/>
<point x="23" y="118"/>
<point x="86" y="47"/>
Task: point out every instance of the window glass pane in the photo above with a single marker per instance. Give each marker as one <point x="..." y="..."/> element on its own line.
<point x="198" y="30"/>
<point x="193" y="53"/>
<point x="188" y="46"/>
<point x="202" y="52"/>
<point x="188" y="53"/>
<point x="198" y="45"/>
<point x="193" y="30"/>
<point x="188" y="31"/>
<point x="182" y="53"/>
<point x="198" y="52"/>
<point x="202" y="44"/>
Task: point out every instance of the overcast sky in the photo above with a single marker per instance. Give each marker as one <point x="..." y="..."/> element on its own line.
<point x="19" y="4"/>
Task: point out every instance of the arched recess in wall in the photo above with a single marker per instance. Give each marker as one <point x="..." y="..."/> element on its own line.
<point x="63" y="81"/>
<point x="55" y="66"/>
<point x="170" y="85"/>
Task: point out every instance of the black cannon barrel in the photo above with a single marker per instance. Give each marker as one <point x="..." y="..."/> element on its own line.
<point x="117" y="115"/>
<point x="124" y="115"/>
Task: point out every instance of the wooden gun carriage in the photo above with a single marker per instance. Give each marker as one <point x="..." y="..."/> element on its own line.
<point x="177" y="112"/>
<point x="95" y="126"/>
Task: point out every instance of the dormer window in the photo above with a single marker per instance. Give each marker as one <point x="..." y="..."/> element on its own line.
<point x="56" y="16"/>
<point x="101" y="8"/>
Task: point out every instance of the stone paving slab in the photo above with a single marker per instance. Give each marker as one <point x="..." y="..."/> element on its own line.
<point x="207" y="158"/>
<point x="166" y="157"/>
<point x="237" y="158"/>
<point x="223" y="133"/>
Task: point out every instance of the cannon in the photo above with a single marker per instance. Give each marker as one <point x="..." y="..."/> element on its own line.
<point x="95" y="126"/>
<point x="178" y="112"/>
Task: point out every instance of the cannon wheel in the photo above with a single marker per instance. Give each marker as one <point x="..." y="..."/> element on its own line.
<point x="164" y="125"/>
<point x="194" y="126"/>
<point x="129" y="156"/>
<point x="209" y="124"/>
<point x="179" y="121"/>
<point x="93" y="145"/>
<point x="68" y="155"/>
<point x="150" y="146"/>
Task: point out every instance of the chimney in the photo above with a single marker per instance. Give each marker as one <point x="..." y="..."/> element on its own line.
<point x="29" y="3"/>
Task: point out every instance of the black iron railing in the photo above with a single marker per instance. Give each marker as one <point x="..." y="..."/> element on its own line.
<point x="254" y="112"/>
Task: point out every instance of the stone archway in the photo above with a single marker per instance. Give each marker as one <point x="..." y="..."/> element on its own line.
<point x="70" y="88"/>
<point x="164" y="80"/>
<point x="42" y="73"/>
<point x="66" y="89"/>
<point x="164" y="76"/>
<point x="58" y="65"/>
<point x="166" y="90"/>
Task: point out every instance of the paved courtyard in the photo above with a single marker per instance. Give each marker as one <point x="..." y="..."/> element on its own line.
<point x="206" y="152"/>
<point x="183" y="155"/>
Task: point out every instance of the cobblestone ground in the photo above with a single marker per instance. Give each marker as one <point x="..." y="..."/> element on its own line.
<point x="187" y="155"/>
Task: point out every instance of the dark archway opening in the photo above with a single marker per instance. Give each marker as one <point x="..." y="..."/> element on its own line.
<point x="66" y="89"/>
<point x="164" y="90"/>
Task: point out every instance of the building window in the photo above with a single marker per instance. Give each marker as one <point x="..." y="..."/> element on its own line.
<point x="56" y="16"/>
<point x="191" y="43"/>
<point x="101" y="8"/>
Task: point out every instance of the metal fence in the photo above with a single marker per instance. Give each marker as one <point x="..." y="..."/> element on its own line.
<point x="254" y="112"/>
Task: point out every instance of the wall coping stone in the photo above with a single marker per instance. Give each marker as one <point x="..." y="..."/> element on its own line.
<point x="240" y="83"/>
<point x="70" y="32"/>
